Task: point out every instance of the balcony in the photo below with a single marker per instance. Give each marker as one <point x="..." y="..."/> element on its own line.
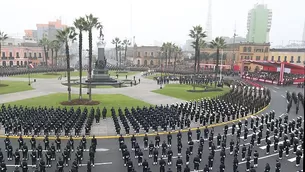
<point x="3" y="58"/>
<point x="11" y="58"/>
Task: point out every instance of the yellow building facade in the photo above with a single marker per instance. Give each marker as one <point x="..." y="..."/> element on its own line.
<point x="291" y="55"/>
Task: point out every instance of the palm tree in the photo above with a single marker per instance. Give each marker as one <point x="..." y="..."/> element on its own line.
<point x="197" y="34"/>
<point x="56" y="45"/>
<point x="90" y="23"/>
<point x="116" y="41"/>
<point x="169" y="49"/>
<point x="45" y="43"/>
<point x="202" y="44"/>
<point x="164" y="51"/>
<point x="3" y="37"/>
<point x="218" y="43"/>
<point x="125" y="43"/>
<point x="65" y="36"/>
<point x="177" y="50"/>
<point x="79" y="24"/>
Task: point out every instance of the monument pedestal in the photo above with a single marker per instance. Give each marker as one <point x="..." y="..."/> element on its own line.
<point x="100" y="74"/>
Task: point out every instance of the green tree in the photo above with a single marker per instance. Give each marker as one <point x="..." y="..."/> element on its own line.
<point x="116" y="41"/>
<point x="3" y="37"/>
<point x="91" y="22"/>
<point x="66" y="36"/>
<point x="45" y="43"/>
<point x="56" y="46"/>
<point x="125" y="44"/>
<point x="197" y="34"/>
<point x="80" y="25"/>
<point x="177" y="50"/>
<point x="218" y="43"/>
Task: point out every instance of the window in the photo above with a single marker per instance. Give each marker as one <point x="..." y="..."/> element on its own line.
<point x="249" y="49"/>
<point x="272" y="58"/>
<point x="139" y="54"/>
<point x="251" y="57"/>
<point x="266" y="58"/>
<point x="299" y="59"/>
<point x="24" y="55"/>
<point x="279" y="59"/>
<point x="11" y="54"/>
<point x="3" y="54"/>
<point x="17" y="63"/>
<point x="145" y="54"/>
<point x="285" y="59"/>
<point x="258" y="58"/>
<point x="35" y="55"/>
<point x="47" y="54"/>
<point x="17" y="55"/>
<point x="245" y="49"/>
<point x="241" y="57"/>
<point x="152" y="54"/>
<point x="291" y="59"/>
<point x="266" y="49"/>
<point x="39" y="55"/>
<point x="30" y="54"/>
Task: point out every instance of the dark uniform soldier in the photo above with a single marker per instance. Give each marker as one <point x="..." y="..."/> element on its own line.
<point x="155" y="153"/>
<point x="7" y="142"/>
<point x="151" y="149"/>
<point x="33" y="143"/>
<point x="169" y="156"/>
<point x="255" y="154"/>
<point x="298" y="158"/>
<point x="133" y="142"/>
<point x="39" y="151"/>
<point x="3" y="167"/>
<point x="58" y="144"/>
<point x="198" y="132"/>
<point x="211" y="161"/>
<point x="24" y="166"/>
<point x="277" y="166"/>
<point x="91" y="157"/>
<point x="21" y="142"/>
<point x="140" y="157"/>
<point x="157" y="141"/>
<point x="196" y="163"/>
<point x="34" y="158"/>
<point x="42" y="166"/>
<point x="46" y="142"/>
<point x="71" y="142"/>
<point x="48" y="158"/>
<point x="126" y="156"/>
<point x="129" y="166"/>
<point x="65" y="157"/>
<point x="10" y="153"/>
<point x="267" y="168"/>
<point x="145" y="140"/>
<point x="17" y="158"/>
<point x="179" y="164"/>
<point x="25" y="151"/>
<point x="179" y="147"/>
<point x="60" y="165"/>
<point x="162" y="164"/>
<point x="53" y="152"/>
<point x="145" y="165"/>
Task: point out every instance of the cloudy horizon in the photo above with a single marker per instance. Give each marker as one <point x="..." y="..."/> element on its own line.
<point x="156" y="21"/>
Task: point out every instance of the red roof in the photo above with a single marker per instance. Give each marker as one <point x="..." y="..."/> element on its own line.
<point x="275" y="64"/>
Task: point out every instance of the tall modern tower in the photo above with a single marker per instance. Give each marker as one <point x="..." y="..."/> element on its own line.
<point x="259" y="24"/>
<point x="209" y="23"/>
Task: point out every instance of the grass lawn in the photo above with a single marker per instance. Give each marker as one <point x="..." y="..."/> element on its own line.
<point x="106" y="100"/>
<point x="180" y="91"/>
<point x="51" y="75"/>
<point x="13" y="86"/>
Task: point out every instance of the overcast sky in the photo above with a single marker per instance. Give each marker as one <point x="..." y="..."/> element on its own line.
<point x="155" y="20"/>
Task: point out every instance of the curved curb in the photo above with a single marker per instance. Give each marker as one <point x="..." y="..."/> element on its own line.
<point x="142" y="135"/>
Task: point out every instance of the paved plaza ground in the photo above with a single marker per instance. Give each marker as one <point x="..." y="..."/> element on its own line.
<point x="108" y="158"/>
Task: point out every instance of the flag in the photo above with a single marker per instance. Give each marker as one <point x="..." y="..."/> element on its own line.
<point x="31" y="66"/>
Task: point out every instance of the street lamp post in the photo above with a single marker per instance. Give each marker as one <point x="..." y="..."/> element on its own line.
<point x="28" y="67"/>
<point x="221" y="58"/>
